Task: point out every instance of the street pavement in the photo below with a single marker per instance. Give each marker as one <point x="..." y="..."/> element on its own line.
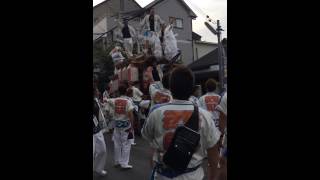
<point x="139" y="159"/>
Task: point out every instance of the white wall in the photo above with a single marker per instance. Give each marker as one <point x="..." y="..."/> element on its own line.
<point x="203" y="49"/>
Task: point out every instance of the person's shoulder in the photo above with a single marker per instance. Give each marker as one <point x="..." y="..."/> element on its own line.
<point x="203" y="96"/>
<point x="123" y="98"/>
<point x="225" y="96"/>
<point x="129" y="99"/>
<point x="215" y="94"/>
<point x="205" y="114"/>
<point x="165" y="91"/>
<point x="158" y="107"/>
<point x="156" y="84"/>
<point x="111" y="100"/>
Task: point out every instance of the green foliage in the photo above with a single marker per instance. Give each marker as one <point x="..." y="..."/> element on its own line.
<point x="103" y="61"/>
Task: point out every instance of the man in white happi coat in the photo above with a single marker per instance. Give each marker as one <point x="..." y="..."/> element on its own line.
<point x="210" y="100"/>
<point x="99" y="145"/>
<point x="159" y="91"/>
<point x="151" y="25"/>
<point x="127" y="33"/>
<point x="122" y="110"/>
<point x="164" y="119"/>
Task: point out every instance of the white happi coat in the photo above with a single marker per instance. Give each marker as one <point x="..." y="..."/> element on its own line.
<point x="145" y="23"/>
<point x="159" y="94"/>
<point x="122" y="145"/>
<point x="159" y="129"/>
<point x="209" y="102"/>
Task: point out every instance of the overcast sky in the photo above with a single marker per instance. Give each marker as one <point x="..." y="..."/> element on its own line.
<point x="216" y="9"/>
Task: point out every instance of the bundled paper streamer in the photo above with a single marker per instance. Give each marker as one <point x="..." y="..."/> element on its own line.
<point x="170" y="41"/>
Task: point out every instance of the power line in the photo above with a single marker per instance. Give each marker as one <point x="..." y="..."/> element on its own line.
<point x="196" y="8"/>
<point x="205" y="16"/>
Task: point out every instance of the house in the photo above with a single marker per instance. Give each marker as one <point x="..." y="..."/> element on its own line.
<point x="201" y="48"/>
<point x="105" y="14"/>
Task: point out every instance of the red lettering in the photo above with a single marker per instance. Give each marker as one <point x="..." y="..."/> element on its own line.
<point x="170" y="121"/>
<point x="120" y="106"/>
<point x="172" y="118"/>
<point x="211" y="102"/>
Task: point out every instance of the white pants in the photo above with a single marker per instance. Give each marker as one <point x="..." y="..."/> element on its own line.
<point x="122" y="147"/>
<point x="128" y="45"/>
<point x="99" y="152"/>
<point x="195" y="175"/>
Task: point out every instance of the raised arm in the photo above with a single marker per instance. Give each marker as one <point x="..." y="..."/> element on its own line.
<point x="160" y="20"/>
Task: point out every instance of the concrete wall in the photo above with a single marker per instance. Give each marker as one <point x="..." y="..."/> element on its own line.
<point x="173" y="8"/>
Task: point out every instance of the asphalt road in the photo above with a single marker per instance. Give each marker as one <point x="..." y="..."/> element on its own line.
<point x="139" y="159"/>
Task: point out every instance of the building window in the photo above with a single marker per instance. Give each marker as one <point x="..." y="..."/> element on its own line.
<point x="177" y="22"/>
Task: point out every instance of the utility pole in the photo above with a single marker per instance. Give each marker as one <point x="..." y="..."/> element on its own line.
<point x="217" y="32"/>
<point x="220" y="59"/>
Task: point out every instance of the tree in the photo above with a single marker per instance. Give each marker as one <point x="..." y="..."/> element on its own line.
<point x="103" y="62"/>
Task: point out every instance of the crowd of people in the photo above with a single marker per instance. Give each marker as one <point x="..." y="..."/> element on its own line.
<point x="165" y="107"/>
<point x="172" y="102"/>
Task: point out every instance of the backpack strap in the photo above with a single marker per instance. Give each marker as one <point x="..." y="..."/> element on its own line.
<point x="193" y="122"/>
